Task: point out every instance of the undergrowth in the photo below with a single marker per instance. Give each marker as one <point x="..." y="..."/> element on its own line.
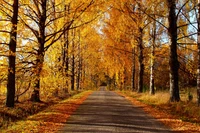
<point x="26" y="108"/>
<point x="185" y="110"/>
<point x="50" y="119"/>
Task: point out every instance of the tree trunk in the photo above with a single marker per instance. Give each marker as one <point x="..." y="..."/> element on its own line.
<point x="152" y="86"/>
<point x="125" y="78"/>
<point x="40" y="53"/>
<point x="12" y="57"/>
<point x="79" y="63"/>
<point x="73" y="63"/>
<point x="133" y="70"/>
<point x="141" y="65"/>
<point x="198" y="67"/>
<point x="73" y="73"/>
<point x="79" y="75"/>
<point x="173" y="59"/>
<point x="65" y="63"/>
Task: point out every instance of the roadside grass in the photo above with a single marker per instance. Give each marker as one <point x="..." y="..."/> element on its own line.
<point x="183" y="116"/>
<point x="49" y="119"/>
<point x="19" y="112"/>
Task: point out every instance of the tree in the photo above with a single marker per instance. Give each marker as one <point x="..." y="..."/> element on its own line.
<point x="198" y="66"/>
<point x="140" y="58"/>
<point x="47" y="27"/>
<point x="152" y="59"/>
<point x="173" y="59"/>
<point x="133" y="68"/>
<point x="12" y="57"/>
<point x="44" y="15"/>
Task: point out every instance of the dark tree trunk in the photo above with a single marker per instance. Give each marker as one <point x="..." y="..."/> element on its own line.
<point x="133" y="70"/>
<point x="40" y="53"/>
<point x="65" y="63"/>
<point x="12" y="57"/>
<point x="73" y="63"/>
<point x="79" y="75"/>
<point x="125" y="78"/>
<point x="39" y="64"/>
<point x="66" y="44"/>
<point x="198" y="66"/>
<point x="141" y="65"/>
<point x="67" y="54"/>
<point x="79" y="64"/>
<point x="73" y="73"/>
<point x="173" y="59"/>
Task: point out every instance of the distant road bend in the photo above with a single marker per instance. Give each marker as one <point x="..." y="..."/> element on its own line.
<point x="107" y="112"/>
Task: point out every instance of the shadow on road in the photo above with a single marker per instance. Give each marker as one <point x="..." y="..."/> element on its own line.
<point x="105" y="111"/>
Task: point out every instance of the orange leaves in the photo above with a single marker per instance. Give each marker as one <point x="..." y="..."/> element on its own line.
<point x="51" y="119"/>
<point x="164" y="112"/>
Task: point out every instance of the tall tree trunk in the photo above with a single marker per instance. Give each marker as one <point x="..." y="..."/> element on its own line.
<point x="65" y="63"/>
<point x="39" y="64"/>
<point x="152" y="87"/>
<point x="40" y="53"/>
<point x="125" y="78"/>
<point x="66" y="44"/>
<point x="73" y="63"/>
<point x="133" y="70"/>
<point x="66" y="60"/>
<point x="73" y="73"/>
<point x="79" y="75"/>
<point x="141" y="65"/>
<point x="10" y="99"/>
<point x="79" y="63"/>
<point x="198" y="67"/>
<point x="173" y="59"/>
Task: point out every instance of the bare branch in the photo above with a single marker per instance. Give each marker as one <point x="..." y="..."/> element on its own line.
<point x="182" y="8"/>
<point x="4" y="31"/>
<point x="7" y="3"/>
<point x="35" y="32"/>
<point x="10" y="17"/>
<point x="188" y="21"/>
<point x="186" y="36"/>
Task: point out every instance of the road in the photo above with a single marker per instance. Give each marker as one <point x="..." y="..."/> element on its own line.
<point x="108" y="112"/>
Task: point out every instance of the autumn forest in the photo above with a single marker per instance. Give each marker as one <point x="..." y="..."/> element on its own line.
<point x="54" y="47"/>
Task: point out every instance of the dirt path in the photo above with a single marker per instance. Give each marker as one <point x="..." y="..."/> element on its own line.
<point x="105" y="111"/>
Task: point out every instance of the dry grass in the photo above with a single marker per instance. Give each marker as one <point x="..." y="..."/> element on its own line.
<point x="182" y="116"/>
<point x="24" y="109"/>
<point x="50" y="119"/>
<point x="157" y="99"/>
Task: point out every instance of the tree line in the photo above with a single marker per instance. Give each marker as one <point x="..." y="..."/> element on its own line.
<point x="159" y="43"/>
<point x="55" y="46"/>
<point x="29" y="30"/>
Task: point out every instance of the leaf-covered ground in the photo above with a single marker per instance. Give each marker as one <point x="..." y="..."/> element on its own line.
<point x="50" y="119"/>
<point x="165" y="113"/>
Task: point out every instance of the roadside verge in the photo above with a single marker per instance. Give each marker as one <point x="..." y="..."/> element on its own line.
<point x="163" y="114"/>
<point x="50" y="119"/>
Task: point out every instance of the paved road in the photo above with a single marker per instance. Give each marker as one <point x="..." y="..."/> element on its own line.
<point x="106" y="112"/>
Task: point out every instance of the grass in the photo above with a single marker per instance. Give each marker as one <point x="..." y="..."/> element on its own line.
<point x="185" y="110"/>
<point x="38" y="117"/>
<point x="19" y="112"/>
<point x="183" y="116"/>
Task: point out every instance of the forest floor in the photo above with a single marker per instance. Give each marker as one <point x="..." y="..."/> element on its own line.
<point x="50" y="116"/>
<point x="180" y="117"/>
